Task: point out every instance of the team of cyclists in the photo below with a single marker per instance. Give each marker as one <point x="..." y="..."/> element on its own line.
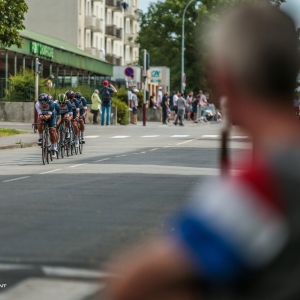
<point x="69" y="107"/>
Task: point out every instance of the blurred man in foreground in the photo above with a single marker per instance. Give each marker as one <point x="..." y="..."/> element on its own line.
<point x="243" y="240"/>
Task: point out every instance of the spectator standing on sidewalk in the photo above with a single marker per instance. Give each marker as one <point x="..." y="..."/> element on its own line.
<point x="131" y="86"/>
<point x="165" y="107"/>
<point x="96" y="104"/>
<point x="195" y="106"/>
<point x="181" y="107"/>
<point x="106" y="93"/>
<point x="159" y="97"/>
<point x="189" y="107"/>
<point x="152" y="102"/>
<point x="175" y="108"/>
<point x="134" y="106"/>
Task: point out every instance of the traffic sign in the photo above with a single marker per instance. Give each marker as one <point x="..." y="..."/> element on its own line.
<point x="184" y="77"/>
<point x="129" y="71"/>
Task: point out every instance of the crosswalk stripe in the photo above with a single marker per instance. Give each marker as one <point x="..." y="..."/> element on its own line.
<point x="92" y="136"/>
<point x="150" y="136"/>
<point x="49" y="289"/>
<point x="179" y="136"/>
<point x="75" y="273"/>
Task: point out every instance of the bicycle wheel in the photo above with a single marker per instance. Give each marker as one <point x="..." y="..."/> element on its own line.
<point x="72" y="141"/>
<point x="60" y="141"/>
<point x="44" y="147"/>
<point x="48" y="150"/>
<point x="80" y="145"/>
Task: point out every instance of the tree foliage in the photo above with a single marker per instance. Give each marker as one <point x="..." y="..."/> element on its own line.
<point x="161" y="34"/>
<point x="11" y="21"/>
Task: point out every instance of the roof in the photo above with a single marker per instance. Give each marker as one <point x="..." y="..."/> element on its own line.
<point x="56" y="43"/>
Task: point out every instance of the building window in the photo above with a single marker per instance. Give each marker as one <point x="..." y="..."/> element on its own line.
<point x="79" y="38"/>
<point x="96" y="46"/>
<point x="87" y="40"/>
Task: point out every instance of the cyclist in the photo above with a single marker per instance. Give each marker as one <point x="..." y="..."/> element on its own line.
<point x="83" y="112"/>
<point x="76" y="110"/>
<point x="45" y="108"/>
<point x="57" y="115"/>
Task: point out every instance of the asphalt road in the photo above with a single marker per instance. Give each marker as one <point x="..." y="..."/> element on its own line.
<point x="60" y="223"/>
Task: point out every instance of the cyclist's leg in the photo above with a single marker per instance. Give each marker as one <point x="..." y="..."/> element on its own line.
<point x="53" y="133"/>
<point x="76" y="131"/>
<point x="40" y="131"/>
<point x="81" y="122"/>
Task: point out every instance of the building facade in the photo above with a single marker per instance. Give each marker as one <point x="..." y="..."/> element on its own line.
<point x="106" y="29"/>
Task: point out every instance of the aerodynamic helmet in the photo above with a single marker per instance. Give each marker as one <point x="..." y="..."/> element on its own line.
<point x="62" y="98"/>
<point x="44" y="98"/>
<point x="70" y="94"/>
<point x="78" y="95"/>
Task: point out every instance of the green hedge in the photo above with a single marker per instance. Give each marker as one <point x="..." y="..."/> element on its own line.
<point x="123" y="113"/>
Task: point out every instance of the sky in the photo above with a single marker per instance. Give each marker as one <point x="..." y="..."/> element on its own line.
<point x="291" y="6"/>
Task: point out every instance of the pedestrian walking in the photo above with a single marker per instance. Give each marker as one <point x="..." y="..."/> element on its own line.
<point x="106" y="92"/>
<point x="165" y="107"/>
<point x="134" y="106"/>
<point x="96" y="104"/>
<point x="239" y="236"/>
<point x="181" y="104"/>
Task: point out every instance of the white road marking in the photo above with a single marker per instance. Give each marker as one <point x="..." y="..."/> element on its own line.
<point x="239" y="137"/>
<point x="7" y="267"/>
<point x="143" y="152"/>
<point x="150" y="136"/>
<point x="120" y="156"/>
<point x="102" y="159"/>
<point x="179" y="136"/>
<point x="75" y="273"/>
<point x="185" y="142"/>
<point x="15" y="179"/>
<point x="52" y="171"/>
<point x="77" y="166"/>
<point x="120" y="137"/>
<point x="154" y="149"/>
<point x="49" y="289"/>
<point x="92" y="136"/>
<point x="210" y="136"/>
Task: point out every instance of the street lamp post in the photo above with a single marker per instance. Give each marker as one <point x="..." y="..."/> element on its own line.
<point x="182" y="50"/>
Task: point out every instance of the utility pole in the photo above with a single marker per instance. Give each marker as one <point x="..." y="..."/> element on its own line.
<point x="37" y="74"/>
<point x="146" y="67"/>
<point x="182" y="49"/>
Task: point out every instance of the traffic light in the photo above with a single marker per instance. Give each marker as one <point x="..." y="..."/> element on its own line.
<point x="146" y="64"/>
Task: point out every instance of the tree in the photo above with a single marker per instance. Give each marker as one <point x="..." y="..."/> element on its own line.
<point x="11" y="21"/>
<point x="161" y="34"/>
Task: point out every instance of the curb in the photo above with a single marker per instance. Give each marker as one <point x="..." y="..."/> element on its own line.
<point x="16" y="146"/>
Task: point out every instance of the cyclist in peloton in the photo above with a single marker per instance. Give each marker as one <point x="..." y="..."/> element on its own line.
<point x="65" y="110"/>
<point x="76" y="110"/>
<point x="57" y="115"/>
<point x="83" y="112"/>
<point x="45" y="108"/>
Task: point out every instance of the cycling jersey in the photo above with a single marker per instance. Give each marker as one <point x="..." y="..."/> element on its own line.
<point x="66" y="109"/>
<point x="75" y="107"/>
<point x="48" y="110"/>
<point x="57" y="110"/>
<point x="82" y="105"/>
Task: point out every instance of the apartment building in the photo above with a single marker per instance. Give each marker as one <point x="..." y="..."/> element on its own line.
<point x="106" y="29"/>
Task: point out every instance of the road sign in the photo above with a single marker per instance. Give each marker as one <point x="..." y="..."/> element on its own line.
<point x="155" y="75"/>
<point x="184" y="77"/>
<point x="129" y="71"/>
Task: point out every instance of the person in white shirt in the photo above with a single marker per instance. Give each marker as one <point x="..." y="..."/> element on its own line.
<point x="159" y="96"/>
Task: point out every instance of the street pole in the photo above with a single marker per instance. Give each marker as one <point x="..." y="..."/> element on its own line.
<point x="36" y="92"/>
<point x="182" y="50"/>
<point x="145" y="87"/>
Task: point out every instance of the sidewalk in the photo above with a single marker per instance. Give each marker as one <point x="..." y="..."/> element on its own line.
<point x="18" y="141"/>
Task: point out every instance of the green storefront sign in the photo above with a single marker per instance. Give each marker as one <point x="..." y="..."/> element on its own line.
<point x="42" y="50"/>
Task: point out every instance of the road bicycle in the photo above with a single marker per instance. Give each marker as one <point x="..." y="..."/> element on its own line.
<point x="80" y="146"/>
<point x="61" y="144"/>
<point x="46" y="143"/>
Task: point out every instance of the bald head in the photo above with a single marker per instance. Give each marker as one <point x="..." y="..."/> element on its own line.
<point x="258" y="45"/>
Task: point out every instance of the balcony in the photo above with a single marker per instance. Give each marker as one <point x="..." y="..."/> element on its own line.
<point x="113" y="59"/>
<point x="129" y="39"/>
<point x="99" y="26"/>
<point x="111" y="30"/>
<point x="119" y="33"/>
<point x="130" y="13"/>
<point x="91" y="51"/>
<point x="113" y="4"/>
<point x="90" y="22"/>
<point x="99" y="54"/>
